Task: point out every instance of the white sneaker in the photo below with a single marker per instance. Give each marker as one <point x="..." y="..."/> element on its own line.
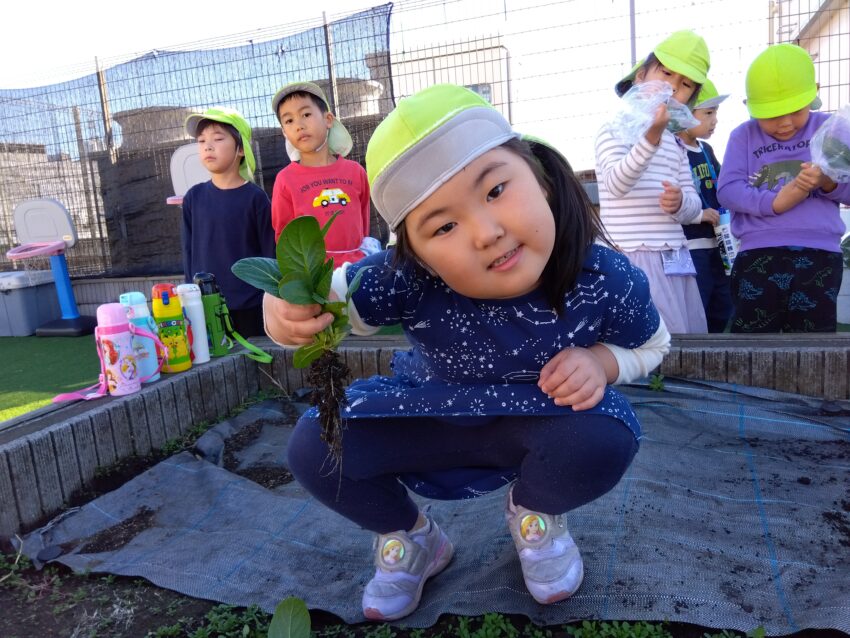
<point x="551" y="564"/>
<point x="403" y="563"/>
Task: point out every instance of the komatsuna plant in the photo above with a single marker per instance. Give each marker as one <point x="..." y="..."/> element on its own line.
<point x="301" y="274"/>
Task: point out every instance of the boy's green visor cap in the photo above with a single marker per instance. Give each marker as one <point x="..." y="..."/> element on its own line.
<point x="426" y="140"/>
<point x="683" y="52"/>
<point x="781" y="80"/>
<point x="226" y="115"/>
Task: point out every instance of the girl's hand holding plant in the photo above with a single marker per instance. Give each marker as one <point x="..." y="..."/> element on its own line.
<point x="294" y="324"/>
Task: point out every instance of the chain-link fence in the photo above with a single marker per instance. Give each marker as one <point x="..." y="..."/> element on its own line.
<point x="102" y="144"/>
<point x="822" y="27"/>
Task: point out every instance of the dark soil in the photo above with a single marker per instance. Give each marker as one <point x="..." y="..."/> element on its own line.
<point x="115" y="537"/>
<point x="57" y="602"/>
<point x="268" y="476"/>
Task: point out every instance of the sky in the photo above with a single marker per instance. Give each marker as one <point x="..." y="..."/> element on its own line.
<point x="565" y="56"/>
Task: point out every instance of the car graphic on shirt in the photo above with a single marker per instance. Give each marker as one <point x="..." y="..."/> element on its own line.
<point x="331" y="196"/>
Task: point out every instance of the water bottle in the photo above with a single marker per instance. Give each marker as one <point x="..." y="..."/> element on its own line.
<point x="115" y="341"/>
<point x="168" y="315"/>
<point x="144" y="348"/>
<point x="726" y="241"/>
<point x="193" y="308"/>
<point x="216" y="313"/>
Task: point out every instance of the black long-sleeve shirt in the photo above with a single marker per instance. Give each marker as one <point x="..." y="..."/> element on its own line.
<point x="221" y="227"/>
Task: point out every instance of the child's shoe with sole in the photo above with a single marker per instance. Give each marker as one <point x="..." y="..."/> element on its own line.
<point x="404" y="561"/>
<point x="551" y="564"/>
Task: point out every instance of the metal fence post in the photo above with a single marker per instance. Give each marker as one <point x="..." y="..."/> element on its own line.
<point x="104" y="110"/>
<point x="334" y="98"/>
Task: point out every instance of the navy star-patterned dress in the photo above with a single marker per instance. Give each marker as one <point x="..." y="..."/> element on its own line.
<point x="475" y="358"/>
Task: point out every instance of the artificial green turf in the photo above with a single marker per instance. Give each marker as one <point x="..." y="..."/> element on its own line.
<point x="35" y="369"/>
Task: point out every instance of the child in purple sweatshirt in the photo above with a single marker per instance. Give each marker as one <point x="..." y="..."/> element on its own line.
<point x="784" y="209"/>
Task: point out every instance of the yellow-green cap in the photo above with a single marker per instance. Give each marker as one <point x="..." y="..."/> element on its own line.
<point x="427" y="139"/>
<point x="234" y="118"/>
<point x="708" y="97"/>
<point x="683" y="52"/>
<point x="780" y="80"/>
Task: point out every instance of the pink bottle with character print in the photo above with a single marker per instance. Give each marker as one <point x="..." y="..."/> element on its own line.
<point x="115" y="344"/>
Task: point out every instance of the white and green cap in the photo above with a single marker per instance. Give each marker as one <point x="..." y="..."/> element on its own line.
<point x="230" y="116"/>
<point x="339" y="140"/>
<point x="708" y="97"/>
<point x="427" y="139"/>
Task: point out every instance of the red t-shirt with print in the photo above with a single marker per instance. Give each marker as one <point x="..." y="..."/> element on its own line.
<point x="321" y="191"/>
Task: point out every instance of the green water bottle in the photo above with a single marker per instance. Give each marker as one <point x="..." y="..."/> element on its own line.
<point x="216" y="314"/>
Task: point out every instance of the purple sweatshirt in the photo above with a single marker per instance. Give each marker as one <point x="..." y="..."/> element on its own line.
<point x="755" y="167"/>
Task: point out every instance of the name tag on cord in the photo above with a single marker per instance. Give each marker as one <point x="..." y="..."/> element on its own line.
<point x="678" y="263"/>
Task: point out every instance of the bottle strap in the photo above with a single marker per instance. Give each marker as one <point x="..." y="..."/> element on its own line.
<point x="100" y="388"/>
<point x="158" y="345"/>
<point x="253" y="352"/>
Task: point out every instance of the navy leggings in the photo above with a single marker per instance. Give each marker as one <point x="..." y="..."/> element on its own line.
<point x="562" y="462"/>
<point x="786" y="289"/>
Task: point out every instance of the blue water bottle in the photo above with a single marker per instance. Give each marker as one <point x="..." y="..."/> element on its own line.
<point x="144" y="347"/>
<point x="726" y="242"/>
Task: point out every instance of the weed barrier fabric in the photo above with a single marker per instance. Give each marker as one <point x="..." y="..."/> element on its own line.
<point x="734" y="514"/>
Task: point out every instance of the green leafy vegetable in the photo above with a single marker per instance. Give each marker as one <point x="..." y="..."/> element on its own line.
<point x="302" y="275"/>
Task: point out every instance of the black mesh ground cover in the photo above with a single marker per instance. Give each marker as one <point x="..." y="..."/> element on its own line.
<point x="734" y="514"/>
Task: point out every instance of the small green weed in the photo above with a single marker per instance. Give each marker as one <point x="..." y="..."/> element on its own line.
<point x="379" y="631"/>
<point x="12" y="566"/>
<point x="656" y="382"/>
<point x="344" y="631"/>
<point x="222" y="621"/>
<point x="188" y="438"/>
<point x="533" y="631"/>
<point x="491" y="626"/>
<point x="596" y="629"/>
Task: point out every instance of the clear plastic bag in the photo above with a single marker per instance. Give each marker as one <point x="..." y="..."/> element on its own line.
<point x="638" y="110"/>
<point x="830" y="146"/>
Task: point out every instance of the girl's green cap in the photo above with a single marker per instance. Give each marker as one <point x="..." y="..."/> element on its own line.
<point x="781" y="80"/>
<point x="684" y="52"/>
<point x="234" y="118"/>
<point x="427" y="139"/>
<point x="708" y="97"/>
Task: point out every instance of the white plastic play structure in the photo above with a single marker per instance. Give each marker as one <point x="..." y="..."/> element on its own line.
<point x="186" y="171"/>
<point x="44" y="228"/>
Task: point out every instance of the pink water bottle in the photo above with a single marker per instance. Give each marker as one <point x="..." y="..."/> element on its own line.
<point x="115" y="343"/>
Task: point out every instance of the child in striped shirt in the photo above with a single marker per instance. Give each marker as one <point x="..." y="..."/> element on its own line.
<point x="646" y="191"/>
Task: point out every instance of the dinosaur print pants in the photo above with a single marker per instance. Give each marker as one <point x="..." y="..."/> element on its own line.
<point x="785" y="289"/>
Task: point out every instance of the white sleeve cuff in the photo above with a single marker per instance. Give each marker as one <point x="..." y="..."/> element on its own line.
<point x="339" y="285"/>
<point x="638" y="362"/>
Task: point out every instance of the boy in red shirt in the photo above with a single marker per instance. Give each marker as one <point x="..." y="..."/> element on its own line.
<point x="319" y="181"/>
